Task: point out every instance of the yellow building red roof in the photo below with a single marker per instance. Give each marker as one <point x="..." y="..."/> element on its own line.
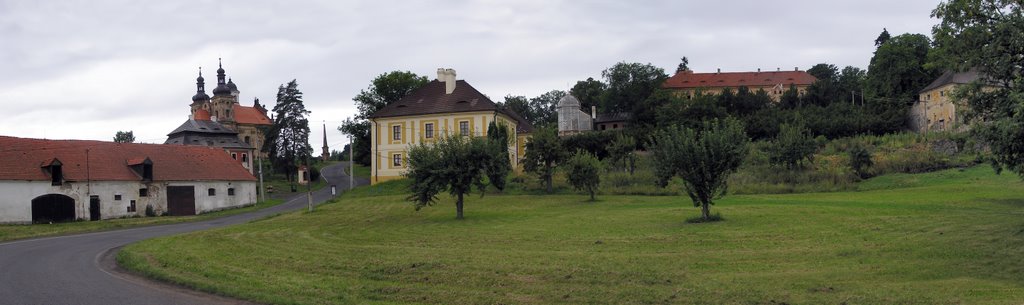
<point x="688" y="79"/>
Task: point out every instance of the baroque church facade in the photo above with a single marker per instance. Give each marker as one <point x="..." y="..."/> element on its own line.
<point x="224" y="108"/>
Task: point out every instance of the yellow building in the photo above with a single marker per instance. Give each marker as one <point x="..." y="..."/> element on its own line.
<point x="442" y="107"/>
<point x="935" y="110"/>
<point x="687" y="84"/>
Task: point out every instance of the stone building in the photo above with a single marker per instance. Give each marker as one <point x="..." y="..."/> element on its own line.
<point x="201" y="130"/>
<point x="687" y="84"/>
<point x="65" y="180"/>
<point x="571" y="119"/>
<point x="935" y="109"/>
<point x="225" y="109"/>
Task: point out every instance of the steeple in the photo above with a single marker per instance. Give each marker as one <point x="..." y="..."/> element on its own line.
<point x="200" y="88"/>
<point x="327" y="153"/>
<point x="222" y="86"/>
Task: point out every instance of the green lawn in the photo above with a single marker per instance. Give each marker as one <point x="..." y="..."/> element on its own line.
<point x="12" y="232"/>
<point x="362" y="171"/>
<point x="952" y="237"/>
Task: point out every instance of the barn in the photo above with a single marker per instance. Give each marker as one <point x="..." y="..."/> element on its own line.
<point x="43" y="181"/>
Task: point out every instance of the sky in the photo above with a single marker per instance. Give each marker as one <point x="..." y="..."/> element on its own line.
<point x="87" y="69"/>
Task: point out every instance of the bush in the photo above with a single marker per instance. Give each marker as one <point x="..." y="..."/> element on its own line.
<point x="583" y="171"/>
<point x="860" y="160"/>
<point x="793" y="145"/>
<point x="149" y="211"/>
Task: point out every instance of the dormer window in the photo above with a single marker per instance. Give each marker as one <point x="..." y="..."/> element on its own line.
<point x="54" y="168"/>
<point x="142" y="167"/>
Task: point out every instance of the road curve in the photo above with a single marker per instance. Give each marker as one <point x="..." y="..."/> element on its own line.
<point x="79" y="269"/>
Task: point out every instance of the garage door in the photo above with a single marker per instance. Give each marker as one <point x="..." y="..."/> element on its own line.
<point x="181" y="200"/>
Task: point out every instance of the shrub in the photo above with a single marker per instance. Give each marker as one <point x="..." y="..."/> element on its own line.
<point x="583" y="171"/>
<point x="792" y="146"/>
<point x="149" y="211"/>
<point x="860" y="160"/>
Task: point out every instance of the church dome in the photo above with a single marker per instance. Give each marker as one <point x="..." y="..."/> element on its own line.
<point x="232" y="86"/>
<point x="200" y="96"/>
<point x="222" y="89"/>
<point x="569" y="101"/>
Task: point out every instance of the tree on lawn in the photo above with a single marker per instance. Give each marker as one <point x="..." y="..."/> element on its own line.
<point x="124" y="137"/>
<point x="385" y="89"/>
<point x="583" y="171"/>
<point x="454" y="164"/>
<point x="288" y="138"/>
<point x="703" y="158"/>
<point x="543" y="152"/>
<point x="621" y="150"/>
<point x="792" y="146"/>
<point x="987" y="35"/>
<point x="497" y="145"/>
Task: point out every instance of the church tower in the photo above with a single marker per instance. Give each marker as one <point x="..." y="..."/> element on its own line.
<point x="200" y="100"/>
<point x="223" y="99"/>
<point x="327" y="153"/>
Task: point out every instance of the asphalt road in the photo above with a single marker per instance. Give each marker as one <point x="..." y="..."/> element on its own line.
<point x="80" y="269"/>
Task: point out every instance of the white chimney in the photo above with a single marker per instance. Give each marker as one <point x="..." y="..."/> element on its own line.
<point x="449" y="81"/>
<point x="440" y="74"/>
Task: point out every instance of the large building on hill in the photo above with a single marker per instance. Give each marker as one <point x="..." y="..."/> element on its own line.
<point x="687" y="84"/>
<point x="935" y="109"/>
<point x="225" y="109"/>
<point x="442" y="107"/>
<point x="63" y="180"/>
<point x="201" y="130"/>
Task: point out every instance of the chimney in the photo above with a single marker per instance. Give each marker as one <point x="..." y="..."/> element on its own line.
<point x="777" y="69"/>
<point x="593" y="112"/>
<point x="719" y="70"/>
<point x="449" y="83"/>
<point x="796" y="68"/>
<point x="758" y="70"/>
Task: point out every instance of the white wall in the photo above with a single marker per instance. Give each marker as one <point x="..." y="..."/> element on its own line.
<point x="16" y="197"/>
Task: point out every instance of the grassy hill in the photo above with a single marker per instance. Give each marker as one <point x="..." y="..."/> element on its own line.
<point x="954" y="236"/>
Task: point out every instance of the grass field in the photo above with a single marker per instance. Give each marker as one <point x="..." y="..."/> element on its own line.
<point x="12" y="232"/>
<point x="950" y="237"/>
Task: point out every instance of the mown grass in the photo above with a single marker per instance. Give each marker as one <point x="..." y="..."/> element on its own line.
<point x="12" y="232"/>
<point x="950" y="237"/>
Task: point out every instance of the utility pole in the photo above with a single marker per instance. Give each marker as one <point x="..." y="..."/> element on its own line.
<point x="309" y="186"/>
<point x="263" y="191"/>
<point x="351" y="164"/>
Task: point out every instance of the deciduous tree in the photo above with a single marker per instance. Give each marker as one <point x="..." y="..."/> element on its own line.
<point x="385" y="89"/>
<point x="702" y="158"/>
<point x="124" y="137"/>
<point x="454" y="164"/>
<point x="987" y="35"/>
<point x="583" y="171"/>
<point x="543" y="152"/>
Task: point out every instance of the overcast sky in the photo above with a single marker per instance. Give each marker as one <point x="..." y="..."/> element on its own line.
<point x="86" y="69"/>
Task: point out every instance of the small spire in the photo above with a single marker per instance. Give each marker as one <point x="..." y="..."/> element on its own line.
<point x="200" y="71"/>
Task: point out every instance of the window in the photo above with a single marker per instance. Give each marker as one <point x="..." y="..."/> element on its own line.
<point x="245" y="158"/>
<point x="131" y="206"/>
<point x="143" y="192"/>
<point x="234" y="156"/>
<point x="428" y="130"/>
<point x="942" y="93"/>
<point x="464" y="128"/>
<point x="396" y="160"/>
<point x="396" y="133"/>
<point x="211" y="192"/>
<point x="231" y="191"/>
<point x="117" y="197"/>
<point x="247" y="140"/>
<point x="56" y="175"/>
<point x="615" y="126"/>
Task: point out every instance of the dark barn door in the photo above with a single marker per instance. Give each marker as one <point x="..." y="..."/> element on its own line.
<point x="181" y="200"/>
<point x="94" y="207"/>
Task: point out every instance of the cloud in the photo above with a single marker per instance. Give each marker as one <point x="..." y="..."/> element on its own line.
<point x="85" y="69"/>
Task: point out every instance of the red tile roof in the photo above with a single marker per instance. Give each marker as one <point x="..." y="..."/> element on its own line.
<point x="23" y="158"/>
<point x="250" y="115"/>
<point x="687" y="79"/>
